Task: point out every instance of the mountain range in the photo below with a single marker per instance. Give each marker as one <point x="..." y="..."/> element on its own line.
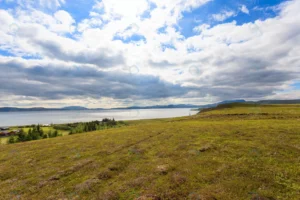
<point x="70" y="108"/>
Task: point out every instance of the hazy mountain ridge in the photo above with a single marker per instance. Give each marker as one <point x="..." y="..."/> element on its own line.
<point x="293" y="101"/>
<point x="69" y="108"/>
<point x="15" y="109"/>
<point x="74" y="108"/>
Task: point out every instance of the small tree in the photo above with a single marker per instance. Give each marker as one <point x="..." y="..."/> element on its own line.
<point x="22" y="136"/>
<point x="38" y="128"/>
<point x="49" y="134"/>
<point x="29" y="132"/>
<point x="114" y="123"/>
<point x="28" y="137"/>
<point x="55" y="134"/>
<point x="41" y="132"/>
<point x="11" y="140"/>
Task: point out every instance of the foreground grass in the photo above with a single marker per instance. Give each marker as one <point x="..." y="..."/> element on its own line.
<point x="3" y="140"/>
<point x="243" y="152"/>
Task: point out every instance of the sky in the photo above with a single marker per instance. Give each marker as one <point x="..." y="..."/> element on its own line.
<point x="118" y="53"/>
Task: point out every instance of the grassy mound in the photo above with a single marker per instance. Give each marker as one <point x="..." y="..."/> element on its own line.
<point x="236" y="152"/>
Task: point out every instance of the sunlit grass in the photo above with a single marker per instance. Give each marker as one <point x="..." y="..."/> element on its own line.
<point x="232" y="153"/>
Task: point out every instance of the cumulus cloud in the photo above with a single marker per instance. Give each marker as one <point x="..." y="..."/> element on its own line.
<point x="64" y="22"/>
<point x="100" y="57"/>
<point x="51" y="56"/>
<point x="57" y="80"/>
<point x="201" y="28"/>
<point x="48" y="4"/>
<point x="223" y="15"/>
<point x="115" y="8"/>
<point x="244" y="9"/>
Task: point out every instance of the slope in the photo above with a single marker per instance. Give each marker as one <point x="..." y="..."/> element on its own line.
<point x="240" y="152"/>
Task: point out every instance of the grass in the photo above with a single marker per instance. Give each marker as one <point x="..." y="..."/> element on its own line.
<point x="47" y="129"/>
<point x="235" y="152"/>
<point x="4" y="140"/>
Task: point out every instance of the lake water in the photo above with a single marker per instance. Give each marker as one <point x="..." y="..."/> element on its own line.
<point x="60" y="117"/>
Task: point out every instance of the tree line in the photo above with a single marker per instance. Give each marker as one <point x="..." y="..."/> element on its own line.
<point x="95" y="125"/>
<point x="34" y="133"/>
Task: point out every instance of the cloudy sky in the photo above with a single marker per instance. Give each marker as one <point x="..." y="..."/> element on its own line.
<point x="114" y="53"/>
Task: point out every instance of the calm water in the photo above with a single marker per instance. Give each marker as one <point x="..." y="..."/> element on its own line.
<point x="60" y="117"/>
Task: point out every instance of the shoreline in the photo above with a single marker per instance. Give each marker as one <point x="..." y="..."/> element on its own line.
<point x="78" y="116"/>
<point x="4" y="139"/>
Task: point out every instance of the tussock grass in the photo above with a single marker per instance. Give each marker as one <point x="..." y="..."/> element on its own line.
<point x="240" y="152"/>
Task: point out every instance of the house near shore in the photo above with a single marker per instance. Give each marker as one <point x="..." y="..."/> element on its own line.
<point x="15" y="131"/>
<point x="4" y="133"/>
<point x="9" y="133"/>
<point x="4" y="128"/>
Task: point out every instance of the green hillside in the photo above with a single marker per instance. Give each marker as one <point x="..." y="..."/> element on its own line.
<point x="235" y="152"/>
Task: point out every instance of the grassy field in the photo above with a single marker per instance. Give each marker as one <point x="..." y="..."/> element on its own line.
<point x="3" y="140"/>
<point x="241" y="152"/>
<point x="47" y="129"/>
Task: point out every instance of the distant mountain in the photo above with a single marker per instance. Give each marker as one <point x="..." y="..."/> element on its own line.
<point x="14" y="109"/>
<point x="184" y="105"/>
<point x="162" y="106"/>
<point x="295" y="101"/>
<point x="220" y="103"/>
<point x="232" y="101"/>
<point x="74" y="108"/>
<point x="68" y="108"/>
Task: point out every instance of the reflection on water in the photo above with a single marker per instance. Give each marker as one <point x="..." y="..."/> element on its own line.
<point x="59" y="117"/>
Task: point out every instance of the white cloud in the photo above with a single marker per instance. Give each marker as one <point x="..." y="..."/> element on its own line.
<point x="64" y="22"/>
<point x="182" y="5"/>
<point x="244" y="9"/>
<point x="201" y="28"/>
<point x="223" y="15"/>
<point x="129" y="8"/>
<point x="51" y="3"/>
<point x="253" y="60"/>
<point x="45" y="4"/>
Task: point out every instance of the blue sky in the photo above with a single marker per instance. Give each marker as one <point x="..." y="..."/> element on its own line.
<point x="297" y="85"/>
<point x="62" y="52"/>
<point x="204" y="14"/>
<point x="258" y="10"/>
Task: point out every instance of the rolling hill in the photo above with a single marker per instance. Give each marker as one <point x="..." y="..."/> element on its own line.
<point x="233" y="152"/>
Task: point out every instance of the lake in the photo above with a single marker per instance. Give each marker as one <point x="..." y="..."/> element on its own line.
<point x="61" y="117"/>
